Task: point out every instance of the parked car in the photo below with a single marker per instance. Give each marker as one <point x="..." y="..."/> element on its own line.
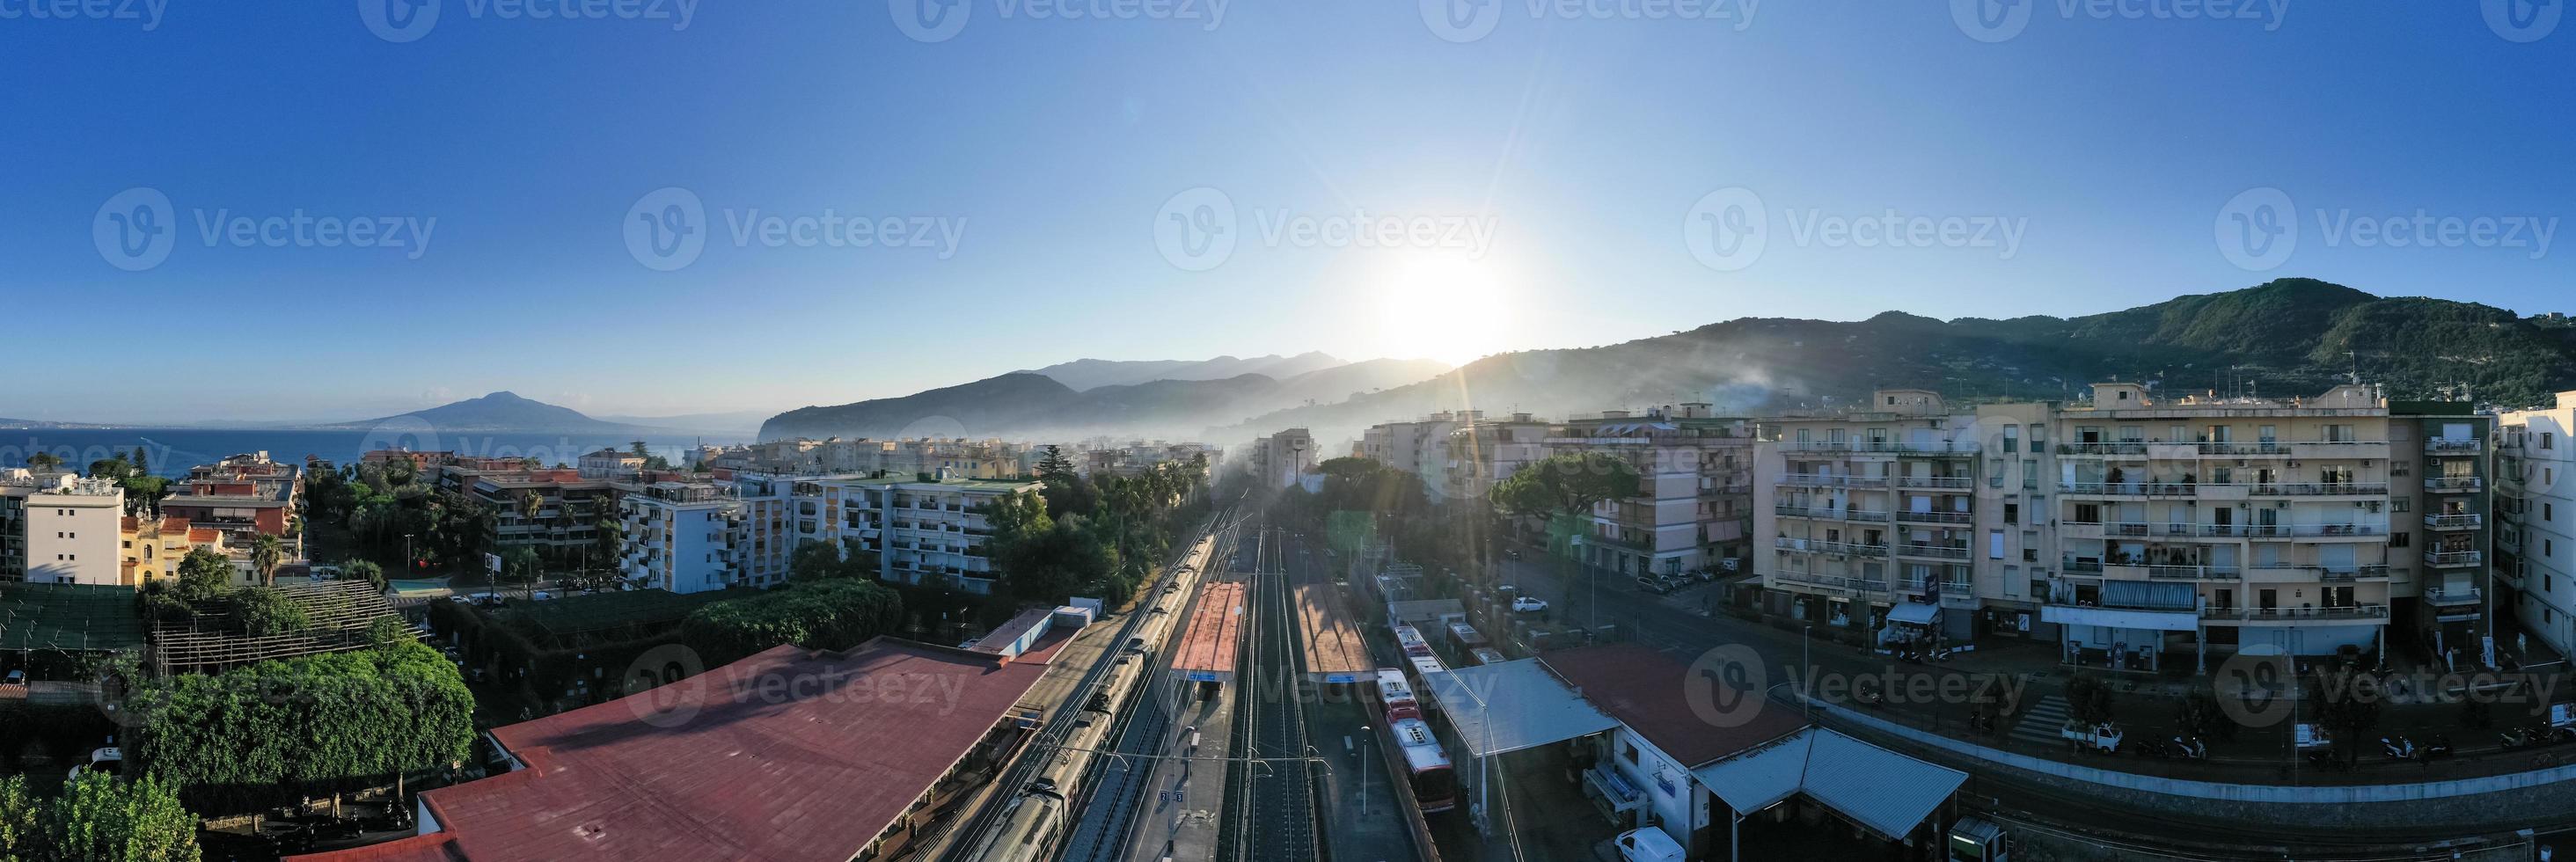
<point x="2103" y="738"/>
<point x="15" y="677"/>
<point x="1527" y="605"/>
<point x="1648" y="845"/>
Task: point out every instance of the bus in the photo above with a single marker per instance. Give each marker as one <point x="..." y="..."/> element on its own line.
<point x="1426" y="665"/>
<point x="1433" y="782"/>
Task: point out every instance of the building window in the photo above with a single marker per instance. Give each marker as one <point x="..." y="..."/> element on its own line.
<point x="2400" y="539"/>
<point x="2012" y="439"/>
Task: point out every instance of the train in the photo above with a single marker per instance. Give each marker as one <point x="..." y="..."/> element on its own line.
<point x="1433" y="781"/>
<point x="1410" y="640"/>
<point x="1428" y="772"/>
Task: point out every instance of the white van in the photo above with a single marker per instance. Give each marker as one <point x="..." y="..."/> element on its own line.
<point x="1648" y="845"/>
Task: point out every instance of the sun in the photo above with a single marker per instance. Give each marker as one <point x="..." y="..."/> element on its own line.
<point x="1452" y="307"/>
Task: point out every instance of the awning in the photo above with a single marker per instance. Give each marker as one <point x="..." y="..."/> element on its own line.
<point x="2119" y="618"/>
<point x="1913" y="612"/>
<point x="1514" y="705"/>
<point x="1883" y="791"/>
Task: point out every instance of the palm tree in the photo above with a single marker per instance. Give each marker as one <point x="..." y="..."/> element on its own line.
<point x="266" y="553"/>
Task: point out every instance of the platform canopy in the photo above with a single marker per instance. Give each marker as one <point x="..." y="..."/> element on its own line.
<point x="1514" y="705"/>
<point x="1883" y="791"/>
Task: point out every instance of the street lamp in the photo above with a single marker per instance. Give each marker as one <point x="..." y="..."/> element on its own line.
<point x="1574" y="552"/>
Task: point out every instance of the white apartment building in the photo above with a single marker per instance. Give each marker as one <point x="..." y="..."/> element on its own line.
<point x="1482" y="453"/>
<point x="2536" y="542"/>
<point x="2199" y="525"/>
<point x="67" y="528"/>
<point x="679" y="536"/>
<point x="1869" y="519"/>
<point x="1281" y="459"/>
<point x="1694" y="497"/>
<point x="922" y="531"/>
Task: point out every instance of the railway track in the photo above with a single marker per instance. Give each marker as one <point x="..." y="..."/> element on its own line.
<point x="1270" y="799"/>
<point x="973" y="838"/>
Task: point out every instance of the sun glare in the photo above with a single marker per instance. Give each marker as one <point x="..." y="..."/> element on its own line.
<point x="1449" y="307"/>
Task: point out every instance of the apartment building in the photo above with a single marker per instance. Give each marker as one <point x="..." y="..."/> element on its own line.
<point x="679" y="536"/>
<point x="1481" y="453"/>
<point x="1872" y="516"/>
<point x="1694" y="489"/>
<point x="62" y="529"/>
<point x="1418" y="447"/>
<point x="1281" y="459"/>
<point x="2441" y="548"/>
<point x="245" y="496"/>
<point x="2535" y="543"/>
<point x="923" y="529"/>
<point x="2199" y="525"/>
<point x="570" y="503"/>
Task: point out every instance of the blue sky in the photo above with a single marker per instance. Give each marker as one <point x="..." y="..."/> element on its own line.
<point x="1541" y="175"/>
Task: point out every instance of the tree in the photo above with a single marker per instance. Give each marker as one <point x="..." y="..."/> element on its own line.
<point x="831" y="615"/>
<point x="355" y="718"/>
<point x="2088" y="699"/>
<point x="1066" y="559"/>
<point x="2348" y="706"/>
<point x="263" y="611"/>
<point x="531" y="504"/>
<point x="521" y="567"/>
<point x="142" y="462"/>
<point x="44" y="462"/>
<point x="20" y="814"/>
<point x="817" y="560"/>
<point x="363" y="570"/>
<point x="101" y="816"/>
<point x="266" y="553"/>
<point x="1566" y="484"/>
<point x="203" y="576"/>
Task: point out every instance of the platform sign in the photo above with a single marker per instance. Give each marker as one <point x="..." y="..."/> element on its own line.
<point x="1203" y="676"/>
<point x="1342" y="677"/>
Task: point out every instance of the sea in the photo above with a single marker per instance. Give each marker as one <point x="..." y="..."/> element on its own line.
<point x="171" y="451"/>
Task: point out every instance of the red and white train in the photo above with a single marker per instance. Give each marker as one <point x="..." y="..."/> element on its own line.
<point x="1428" y="771"/>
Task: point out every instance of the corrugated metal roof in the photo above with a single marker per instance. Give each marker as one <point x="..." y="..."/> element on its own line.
<point x="1509" y="706"/>
<point x="1883" y="791"/>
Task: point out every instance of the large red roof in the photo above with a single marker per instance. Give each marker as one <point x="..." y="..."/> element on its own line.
<point x="786" y="755"/>
<point x="1647" y="690"/>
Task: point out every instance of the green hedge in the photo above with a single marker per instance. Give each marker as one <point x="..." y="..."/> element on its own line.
<point x="257" y="735"/>
<point x="829" y="614"/>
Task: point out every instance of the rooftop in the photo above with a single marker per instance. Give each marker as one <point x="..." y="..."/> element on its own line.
<point x="1208" y="645"/>
<point x="780" y="756"/>
<point x="1650" y="693"/>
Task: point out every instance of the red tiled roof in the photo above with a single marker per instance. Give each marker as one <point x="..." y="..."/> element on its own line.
<point x="433" y="847"/>
<point x="203" y="535"/>
<point x="1645" y="689"/>
<point x="786" y="755"/>
<point x="129" y="523"/>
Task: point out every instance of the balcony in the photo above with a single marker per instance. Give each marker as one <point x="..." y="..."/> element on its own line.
<point x="2341" y="448"/>
<point x="2451" y="596"/>
<point x="2267" y="615"/>
<point x="2452" y="559"/>
<point x="2192" y="573"/>
<point x="2122" y="447"/>
<point x="2098" y="530"/>
<point x="1946" y="483"/>
<point x="2440" y="446"/>
<point x="1938" y="552"/>
<point x="2338" y="530"/>
<point x="2232" y="449"/>
<point x="2346" y="575"/>
<point x="1936" y="517"/>
<point x="1961" y="448"/>
<point x="1830" y="582"/>
<point x="2454" y="484"/>
<point x="2454" y="522"/>
<point x="2322" y="489"/>
<point x="1830" y="480"/>
<point x="2080" y="567"/>
<point x="1818" y="546"/>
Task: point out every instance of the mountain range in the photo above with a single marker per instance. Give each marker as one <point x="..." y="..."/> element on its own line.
<point x="1087" y="374"/>
<point x="2291" y="336"/>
